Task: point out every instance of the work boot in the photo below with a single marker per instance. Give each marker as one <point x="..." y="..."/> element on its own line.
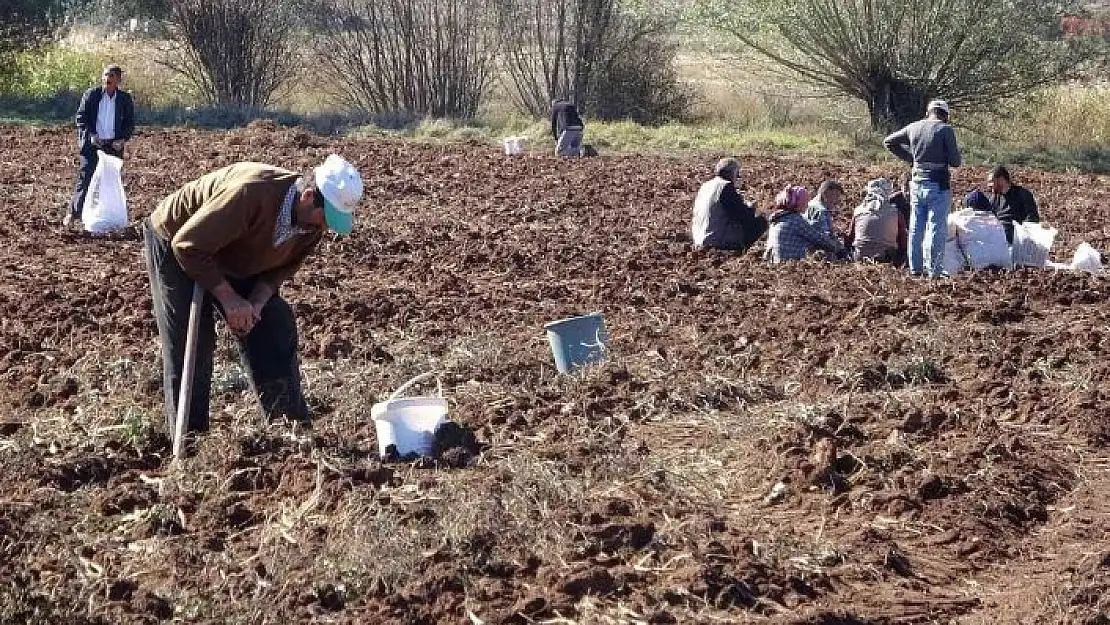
<point x="281" y="400"/>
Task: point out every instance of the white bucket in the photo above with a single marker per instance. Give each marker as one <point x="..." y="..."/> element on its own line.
<point x="515" y="146"/>
<point x="409" y="423"/>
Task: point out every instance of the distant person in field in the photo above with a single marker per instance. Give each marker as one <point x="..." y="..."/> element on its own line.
<point x="878" y="231"/>
<point x="824" y="207"/>
<point x="1009" y="202"/>
<point x="567" y="128"/>
<point x="239" y="233"/>
<point x="791" y="237"/>
<point x="105" y="123"/>
<point x="722" y="219"/>
<point x="930" y="146"/>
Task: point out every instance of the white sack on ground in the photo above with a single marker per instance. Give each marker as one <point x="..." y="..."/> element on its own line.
<point x="105" y="208"/>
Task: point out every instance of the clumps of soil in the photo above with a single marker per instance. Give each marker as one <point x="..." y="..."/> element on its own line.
<point x="613" y="537"/>
<point x="592" y="581"/>
<point x="455" y="447"/>
<point x="8" y="428"/>
<point x="81" y="472"/>
<point x="143" y="602"/>
<point x="732" y="577"/>
<point x="826" y="467"/>
<point x="932" y="487"/>
<point x="915" y="372"/>
<point x="329" y="597"/>
<point x="123" y="499"/>
<point x="567" y="586"/>
<point x="334" y="345"/>
<point x="139" y="601"/>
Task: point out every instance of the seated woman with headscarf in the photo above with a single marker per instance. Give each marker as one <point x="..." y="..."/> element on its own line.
<point x="878" y="231"/>
<point x="792" y="237"/>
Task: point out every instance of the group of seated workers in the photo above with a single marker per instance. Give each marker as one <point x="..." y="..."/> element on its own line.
<point x="798" y="226"/>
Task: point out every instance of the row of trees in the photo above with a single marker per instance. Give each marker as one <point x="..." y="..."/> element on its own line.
<point x="442" y="57"/>
<point x="439" y="57"/>
<point x="432" y="57"/>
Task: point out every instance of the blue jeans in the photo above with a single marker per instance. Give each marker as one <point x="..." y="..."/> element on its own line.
<point x="929" y="207"/>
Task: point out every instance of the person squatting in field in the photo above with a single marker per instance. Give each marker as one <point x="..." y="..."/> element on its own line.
<point x="878" y="230"/>
<point x="791" y="237"/>
<point x="1009" y="202"/>
<point x="105" y="123"/>
<point x="930" y="147"/>
<point x="239" y="232"/>
<point x="722" y="219"/>
<point x="901" y="201"/>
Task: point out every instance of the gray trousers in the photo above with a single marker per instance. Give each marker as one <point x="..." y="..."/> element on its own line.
<point x="268" y="352"/>
<point x="570" y="142"/>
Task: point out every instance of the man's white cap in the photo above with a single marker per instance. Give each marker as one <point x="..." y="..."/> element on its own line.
<point x="938" y="105"/>
<point x="341" y="185"/>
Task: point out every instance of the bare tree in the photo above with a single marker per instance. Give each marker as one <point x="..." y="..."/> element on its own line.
<point x="897" y="54"/>
<point x="550" y="48"/>
<point x="612" y="62"/>
<point x="419" y="57"/>
<point x="234" y="52"/>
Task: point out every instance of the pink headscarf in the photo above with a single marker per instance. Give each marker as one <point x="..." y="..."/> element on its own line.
<point x="792" y="198"/>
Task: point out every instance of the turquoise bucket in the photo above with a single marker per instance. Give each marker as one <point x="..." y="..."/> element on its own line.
<point x="577" y="341"/>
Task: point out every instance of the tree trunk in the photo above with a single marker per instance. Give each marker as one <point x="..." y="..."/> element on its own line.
<point x="894" y="103"/>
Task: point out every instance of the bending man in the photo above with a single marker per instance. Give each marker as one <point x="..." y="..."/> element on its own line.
<point x="239" y="233"/>
<point x="567" y="127"/>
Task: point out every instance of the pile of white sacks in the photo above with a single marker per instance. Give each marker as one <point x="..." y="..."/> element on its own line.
<point x="976" y="241"/>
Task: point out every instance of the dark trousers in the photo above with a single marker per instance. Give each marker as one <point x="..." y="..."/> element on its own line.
<point x="268" y="352"/>
<point x="1008" y="226"/>
<point x="754" y="229"/>
<point x="90" y="156"/>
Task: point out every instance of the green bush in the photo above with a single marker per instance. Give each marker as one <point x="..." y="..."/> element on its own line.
<point x="48" y="71"/>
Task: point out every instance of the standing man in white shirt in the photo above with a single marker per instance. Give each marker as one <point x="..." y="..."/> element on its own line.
<point x="105" y="123"/>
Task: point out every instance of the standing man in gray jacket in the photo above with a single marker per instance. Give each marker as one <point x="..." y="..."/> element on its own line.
<point x="930" y="146"/>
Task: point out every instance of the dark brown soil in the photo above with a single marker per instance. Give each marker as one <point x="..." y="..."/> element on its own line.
<point x="939" y="450"/>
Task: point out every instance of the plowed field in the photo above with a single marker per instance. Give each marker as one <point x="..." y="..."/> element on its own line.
<point x="938" y="452"/>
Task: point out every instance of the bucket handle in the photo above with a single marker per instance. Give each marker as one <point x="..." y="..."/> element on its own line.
<point x="598" y="343"/>
<point x="423" y="376"/>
